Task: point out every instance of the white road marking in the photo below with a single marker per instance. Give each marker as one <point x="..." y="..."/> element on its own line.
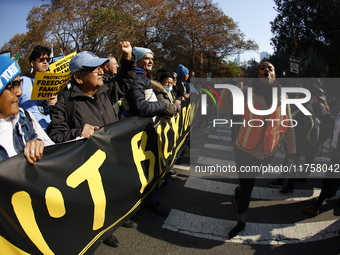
<point x="254" y="233"/>
<point x="185" y="168"/>
<point x="263" y="193"/>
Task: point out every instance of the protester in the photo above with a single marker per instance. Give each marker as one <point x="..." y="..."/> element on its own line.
<point x="119" y="82"/>
<point x="192" y="76"/>
<point x="177" y="94"/>
<point x="164" y="93"/>
<point x="159" y="73"/>
<point x="182" y="88"/>
<point x="88" y="98"/>
<point x="141" y="98"/>
<point x="323" y="117"/>
<point x="91" y="106"/>
<point x="19" y="130"/>
<point x="39" y="62"/>
<point x="320" y="105"/>
<point x="255" y="145"/>
<point x="143" y="102"/>
<point x="305" y="140"/>
<point x="330" y="184"/>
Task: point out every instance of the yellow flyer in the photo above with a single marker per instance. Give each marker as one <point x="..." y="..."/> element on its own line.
<point x="47" y="85"/>
<point x="62" y="65"/>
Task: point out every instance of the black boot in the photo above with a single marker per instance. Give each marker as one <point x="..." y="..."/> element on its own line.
<point x="239" y="227"/>
<point x="111" y="241"/>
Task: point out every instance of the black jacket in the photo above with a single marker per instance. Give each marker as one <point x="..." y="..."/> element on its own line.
<point x="96" y="111"/>
<point x="139" y="100"/>
<point x="121" y="83"/>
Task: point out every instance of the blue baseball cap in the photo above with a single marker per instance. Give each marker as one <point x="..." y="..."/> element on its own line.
<point x="9" y="70"/>
<point x="86" y="59"/>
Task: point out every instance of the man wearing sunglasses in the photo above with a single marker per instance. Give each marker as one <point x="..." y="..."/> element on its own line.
<point x="19" y="130"/>
<point x="39" y="62"/>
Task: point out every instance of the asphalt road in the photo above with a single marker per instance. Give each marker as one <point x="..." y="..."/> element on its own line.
<point x="202" y="212"/>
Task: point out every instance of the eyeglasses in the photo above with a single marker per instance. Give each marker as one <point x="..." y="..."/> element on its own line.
<point x="41" y="60"/>
<point x="14" y="86"/>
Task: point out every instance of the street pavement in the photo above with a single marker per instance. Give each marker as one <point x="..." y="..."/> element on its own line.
<point x="202" y="211"/>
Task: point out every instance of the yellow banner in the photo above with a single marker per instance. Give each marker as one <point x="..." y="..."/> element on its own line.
<point x="62" y="65"/>
<point x="47" y="85"/>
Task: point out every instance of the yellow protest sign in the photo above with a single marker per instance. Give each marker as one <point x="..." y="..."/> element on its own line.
<point x="49" y="84"/>
<point x="62" y="65"/>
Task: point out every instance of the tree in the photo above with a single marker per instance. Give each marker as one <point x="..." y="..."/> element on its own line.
<point x="315" y="26"/>
<point x="250" y="68"/>
<point x="177" y="31"/>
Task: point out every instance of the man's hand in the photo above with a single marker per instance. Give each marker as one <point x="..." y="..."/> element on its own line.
<point x="34" y="150"/>
<point x="88" y="131"/>
<point x="52" y="101"/>
<point x="126" y="49"/>
<point x="176" y="101"/>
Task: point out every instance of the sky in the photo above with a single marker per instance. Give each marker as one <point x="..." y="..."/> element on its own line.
<point x="252" y="17"/>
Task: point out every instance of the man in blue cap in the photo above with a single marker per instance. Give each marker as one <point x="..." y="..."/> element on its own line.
<point x="92" y="106"/>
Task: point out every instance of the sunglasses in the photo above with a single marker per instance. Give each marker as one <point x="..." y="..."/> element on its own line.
<point x="14" y="86"/>
<point x="41" y="60"/>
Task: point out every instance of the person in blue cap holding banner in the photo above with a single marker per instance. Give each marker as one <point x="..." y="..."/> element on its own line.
<point x="19" y="130"/>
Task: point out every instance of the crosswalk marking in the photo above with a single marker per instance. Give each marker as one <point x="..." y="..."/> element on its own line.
<point x="254" y="233"/>
<point x="262" y="193"/>
<point x="181" y="167"/>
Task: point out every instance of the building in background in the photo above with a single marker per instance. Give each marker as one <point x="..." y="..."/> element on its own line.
<point x="264" y="54"/>
<point x="237" y="60"/>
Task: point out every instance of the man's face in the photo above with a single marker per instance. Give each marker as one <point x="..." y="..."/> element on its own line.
<point x="9" y="99"/>
<point x="91" y="77"/>
<point x="40" y="64"/>
<point x="267" y="72"/>
<point x="146" y="62"/>
<point x="112" y="67"/>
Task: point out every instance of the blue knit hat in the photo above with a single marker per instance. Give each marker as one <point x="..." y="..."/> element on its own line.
<point x="140" y="52"/>
<point x="182" y="70"/>
<point x="9" y="70"/>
